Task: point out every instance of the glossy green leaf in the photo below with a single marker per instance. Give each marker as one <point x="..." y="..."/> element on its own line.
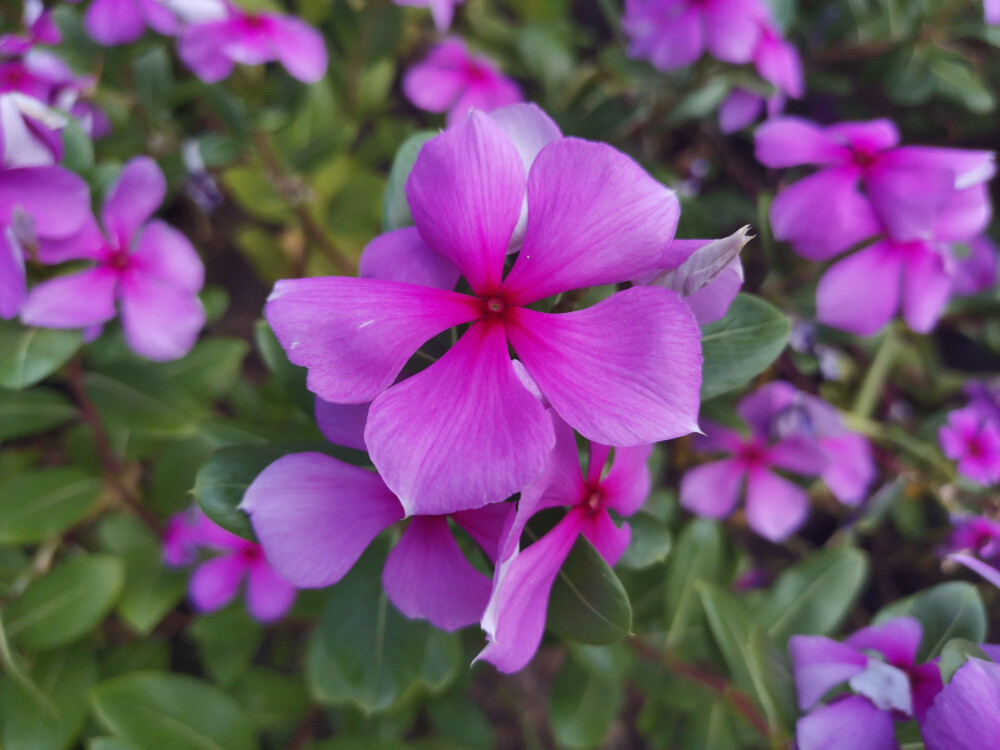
<point x="139" y="398"/>
<point x="210" y="369"/>
<point x="588" y="603"/>
<point x="152" y="80"/>
<point x="741" y="345"/>
<point x="159" y="711"/>
<point x="227" y="641"/>
<point x="63" y="677"/>
<point x="271" y="699"/>
<point x="78" y="148"/>
<point x="223" y="480"/>
<point x="291" y="378"/>
<point x="814" y="596"/>
<point x="461" y="722"/>
<point x="395" y="208"/>
<point x="37" y="505"/>
<point x="699" y="555"/>
<point x="583" y="705"/>
<point x="955" y="653"/>
<point x="32" y="412"/>
<point x="66" y="603"/>
<point x="28" y="355"/>
<point x="949" y="610"/>
<point x="443" y="658"/>
<point x="650" y="542"/>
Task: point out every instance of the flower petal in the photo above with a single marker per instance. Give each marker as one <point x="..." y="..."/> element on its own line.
<point x="926" y="287"/>
<point x="528" y="128"/>
<point x="739" y="109"/>
<point x="775" y="507"/>
<point x="861" y="292"/>
<point x="712" y="489"/>
<point x="113" y="22"/>
<point x="161" y="321"/>
<point x="465" y="194"/>
<point x="355" y="335"/>
<point x="73" y="301"/>
<point x="299" y="47"/>
<point x="624" y="372"/>
<point x="897" y="639"/>
<point x="136" y="195"/>
<point x="486" y="525"/>
<point x="461" y="434"/>
<point x="201" y="52"/>
<point x="964" y="215"/>
<point x="594" y="217"/>
<point x="851" y="723"/>
<point x="402" y="255"/>
<point x="790" y="141"/>
<point x="799" y="454"/>
<point x="967" y="710"/>
<point x="57" y="199"/>
<point x="627" y="485"/>
<point x="315" y="515"/>
<point x="426" y="576"/>
<point x="269" y="596"/>
<point x="436" y="83"/>
<point x="976" y="565"/>
<point x="342" y="424"/>
<point x="215" y="582"/>
<point x="908" y="198"/>
<point x="851" y="469"/>
<point x="732" y="28"/>
<point x="668" y="42"/>
<point x="610" y="540"/>
<point x="820" y="664"/>
<point x="13" y="283"/>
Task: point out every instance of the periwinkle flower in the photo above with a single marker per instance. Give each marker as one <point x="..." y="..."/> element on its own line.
<point x="972" y="438"/>
<point x="451" y="79"/>
<point x="465" y="432"/>
<point x="149" y="266"/>
<point x="966" y="713"/>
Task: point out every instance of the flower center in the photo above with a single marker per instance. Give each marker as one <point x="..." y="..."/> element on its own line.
<point x="863" y="158"/>
<point x="119" y="260"/>
<point x="752" y="455"/>
<point x="595" y="500"/>
<point x="493" y="307"/>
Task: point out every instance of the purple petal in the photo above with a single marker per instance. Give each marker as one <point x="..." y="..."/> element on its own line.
<point x="760" y="408"/>
<point x="465" y="194"/>
<point x="868" y="137"/>
<point x="610" y="540"/>
<point x="626" y="486"/>
<point x="712" y="489"/>
<point x="486" y="525"/>
<point x="967" y="711"/>
<point x="561" y="483"/>
<point x="594" y="217"/>
<point x="113" y="22"/>
<point x="487" y="89"/>
<point x="342" y="424"/>
<point x="976" y="565"/>
<point x="668" y="42"/>
<point x="269" y="596"/>
<point x="926" y="287"/>
<point x="461" y="434"/>
<point x="861" y="292"/>
<point x="522" y="599"/>
<point x="851" y="723"/>
<point x="437" y="82"/>
<point x="739" y="109"/>
<point x="355" y="335"/>
<point x="315" y="515"/>
<point x="200" y="50"/>
<point x="299" y="47"/>
<point x="57" y="199"/>
<point x="402" y="256"/>
<point x="799" y="454"/>
<point x="158" y="17"/>
<point x="161" y="321"/>
<point x="732" y="28"/>
<point x="778" y="63"/>
<point x="821" y="664"/>
<point x="88" y="242"/>
<point x="790" y="141"/>
<point x="13" y="284"/>
<point x="907" y="198"/>
<point x="215" y="582"/>
<point x="165" y="254"/>
<point x="925" y="683"/>
<point x="73" y="301"/>
<point x="851" y="470"/>
<point x="975" y="271"/>
<point x="624" y="372"/>
<point x="775" y="507"/>
<point x="968" y="167"/>
<point x="712" y="301"/>
<point x="964" y="215"/>
<point x="528" y="128"/>
<point x="426" y="576"/>
<point x="897" y="639"/>
<point x="137" y="194"/>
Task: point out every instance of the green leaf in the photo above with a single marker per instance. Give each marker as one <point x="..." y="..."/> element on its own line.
<point x="159" y="711"/>
<point x="64" y="605"/>
<point x="742" y="344"/>
<point x="650" y="542"/>
<point x="376" y="652"/>
<point x="63" y="677"/>
<point x="460" y="721"/>
<point x="583" y="704"/>
<point x="814" y="596"/>
<point x="210" y="369"/>
<point x="28" y="355"/>
<point x="948" y="610"/>
<point x="442" y="659"/>
<point x="152" y="82"/>
<point x="395" y="207"/>
<point x="956" y="80"/>
<point x="227" y="641"/>
<point x="291" y="378"/>
<point x="588" y="603"/>
<point x="33" y="412"/>
<point x="955" y="653"/>
<point x="700" y="555"/>
<point x="78" y="148"/>
<point x="38" y="505"/>
<point x="256" y="194"/>
<point x="138" y="397"/>
<point x="223" y="480"/>
<point x="151" y="589"/>
<point x="270" y="698"/>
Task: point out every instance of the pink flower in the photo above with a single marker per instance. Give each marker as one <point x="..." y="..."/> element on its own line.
<point x="991" y="12"/>
<point x="40" y="26"/>
<point x="29" y="132"/>
<point x="672" y="34"/>
<point x="465" y="432"/>
<point x="452" y="80"/>
<point x="972" y="439"/>
<point x="442" y="10"/>
<point x="967" y="710"/>
<point x="778" y="62"/>
<point x="211" y="49"/>
<point x="216" y="581"/>
<point x="113" y="22"/>
<point x="515" y="618"/>
<point x="150" y="267"/>
<point x="974" y="267"/>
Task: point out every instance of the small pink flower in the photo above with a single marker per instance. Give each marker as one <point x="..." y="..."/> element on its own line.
<point x="114" y="22"/>
<point x="974" y="441"/>
<point x="442" y="10"/>
<point x="452" y="80"/>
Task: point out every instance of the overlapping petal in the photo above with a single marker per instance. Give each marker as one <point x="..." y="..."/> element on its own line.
<point x="161" y="322"/>
<point x="139" y="191"/>
<point x="861" y="292"/>
<point x="926" y="287"/>
<point x="790" y="141"/>
<point x="775" y="507"/>
<point x="821" y="664"/>
<point x="967" y="710"/>
<point x="402" y="255"/>
<point x="215" y="582"/>
<point x="76" y="300"/>
<point x="57" y="199"/>
<point x="851" y="723"/>
<point x="712" y="489"/>
<point x="342" y="424"/>
<point x="269" y="596"/>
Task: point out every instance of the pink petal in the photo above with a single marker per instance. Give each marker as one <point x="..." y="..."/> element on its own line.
<point x="561" y="483"/>
<point x="437" y="82"/>
<point x="624" y="372"/>
<point x="732" y="29"/>
<point x="528" y="128"/>
<point x="800" y="455"/>
<point x="967" y="711"/>
<point x="57" y="199"/>
<point x="790" y="141"/>
<point x="594" y="217"/>
<point x="987" y="571"/>
<point x="523" y="597"/>
<point x="821" y="664"/>
<point x="778" y="63"/>
<point x="775" y="507"/>
<point x="158" y="17"/>
<point x="88" y="242"/>
<point x="161" y="321"/>
<point x="964" y="215"/>
<point x="137" y="194"/>
<point x="670" y="43"/>
<point x="627" y="485"/>
<point x="712" y="489"/>
<point x="112" y="22"/>
<point x="73" y="301"/>
<point x="269" y="596"/>
<point x="897" y="639"/>
<point x="165" y="254"/>
<point x="401" y="255"/>
<point x="199" y="48"/>
<point x="610" y="540"/>
<point x="823" y="214"/>
<point x="926" y="287"/>
<point x="487" y="90"/>
<point x="215" y="582"/>
<point x="852" y="469"/>
<point x="908" y="198"/>
<point x="355" y="335"/>
<point x="718" y="439"/>
<point x="426" y="576"/>
<point x="461" y="434"/>
<point x="861" y="292"/>
<point x="486" y="525"/>
<point x="342" y="424"/>
<point x="13" y="284"/>
<point x="299" y="47"/>
<point x="868" y="137"/>
<point x="851" y="723"/>
<point x="315" y="515"/>
<point x="738" y="110"/>
<point x="968" y="167"/>
<point x="465" y="194"/>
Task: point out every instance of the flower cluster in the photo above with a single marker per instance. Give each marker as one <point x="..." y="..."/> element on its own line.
<point x="788" y="430"/>
<point x="917" y="202"/>
<point x="971" y="436"/>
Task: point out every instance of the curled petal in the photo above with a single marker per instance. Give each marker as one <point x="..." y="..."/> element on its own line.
<point x="821" y="664"/>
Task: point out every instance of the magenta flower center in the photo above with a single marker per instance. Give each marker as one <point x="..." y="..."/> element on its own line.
<point x="752" y="455"/>
<point x="493" y="307"/>
<point x="594" y="501"/>
<point x="864" y="159"/>
<point x="250" y="554"/>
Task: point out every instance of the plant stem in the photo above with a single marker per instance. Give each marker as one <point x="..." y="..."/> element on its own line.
<point x="871" y="386"/>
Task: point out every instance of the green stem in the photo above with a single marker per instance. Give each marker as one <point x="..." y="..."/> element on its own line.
<point x="871" y="387"/>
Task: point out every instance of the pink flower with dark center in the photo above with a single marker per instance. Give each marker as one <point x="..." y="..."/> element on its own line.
<point x="151" y="268"/>
<point x="972" y="439"/>
<point x="113" y="22"/>
<point x="672" y="34"/>
<point x="515" y="618"/>
<point x="465" y="432"/>
<point x="452" y="80"/>
<point x="212" y="48"/>
<point x="441" y="10"/>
